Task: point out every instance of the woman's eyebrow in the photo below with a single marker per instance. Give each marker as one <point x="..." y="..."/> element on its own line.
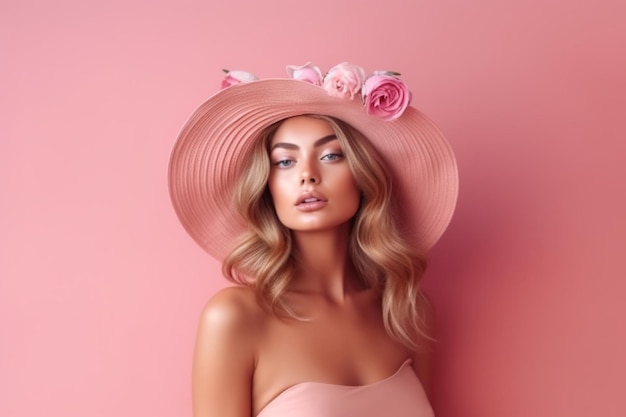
<point x="294" y="147"/>
<point x="324" y="140"/>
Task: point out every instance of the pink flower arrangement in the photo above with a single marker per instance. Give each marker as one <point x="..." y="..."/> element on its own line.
<point x="344" y="80"/>
<point x="385" y="95"/>
<point x="307" y="72"/>
<point x="237" y="77"/>
<point x="382" y="93"/>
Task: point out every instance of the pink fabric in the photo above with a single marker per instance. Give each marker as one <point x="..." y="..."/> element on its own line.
<point x="400" y="395"/>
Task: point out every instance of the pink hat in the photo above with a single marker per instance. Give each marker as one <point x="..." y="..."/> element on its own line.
<point x="214" y="144"/>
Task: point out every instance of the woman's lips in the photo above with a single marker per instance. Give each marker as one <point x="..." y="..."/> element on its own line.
<point x="311" y="201"/>
<point x="311" y="204"/>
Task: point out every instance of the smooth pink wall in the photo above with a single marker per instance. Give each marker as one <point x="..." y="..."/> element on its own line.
<point x="100" y="288"/>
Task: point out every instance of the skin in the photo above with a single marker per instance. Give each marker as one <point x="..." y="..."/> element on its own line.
<point x="306" y="158"/>
<point x="244" y="355"/>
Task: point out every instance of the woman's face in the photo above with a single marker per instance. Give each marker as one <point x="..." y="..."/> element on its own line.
<point x="310" y="180"/>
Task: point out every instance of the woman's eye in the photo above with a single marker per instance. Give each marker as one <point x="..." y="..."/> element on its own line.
<point x="283" y="163"/>
<point x="332" y="157"/>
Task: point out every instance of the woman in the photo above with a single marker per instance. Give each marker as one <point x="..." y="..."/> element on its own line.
<point x="335" y="204"/>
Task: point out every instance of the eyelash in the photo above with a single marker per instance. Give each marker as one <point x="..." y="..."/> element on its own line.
<point x="334" y="156"/>
<point x="280" y="163"/>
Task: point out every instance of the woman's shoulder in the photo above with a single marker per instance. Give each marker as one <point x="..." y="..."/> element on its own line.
<point x="225" y="352"/>
<point x="230" y="328"/>
<point x="233" y="306"/>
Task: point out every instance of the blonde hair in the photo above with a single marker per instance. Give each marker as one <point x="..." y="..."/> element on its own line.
<point x="382" y="256"/>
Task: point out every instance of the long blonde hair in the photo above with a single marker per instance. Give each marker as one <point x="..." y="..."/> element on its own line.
<point x="382" y="256"/>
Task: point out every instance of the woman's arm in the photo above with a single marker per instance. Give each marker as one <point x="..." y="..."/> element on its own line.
<point x="223" y="363"/>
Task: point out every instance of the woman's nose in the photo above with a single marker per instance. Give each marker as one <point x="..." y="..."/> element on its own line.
<point x="309" y="174"/>
<point x="308" y="178"/>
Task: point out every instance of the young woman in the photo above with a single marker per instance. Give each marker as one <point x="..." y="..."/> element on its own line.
<point x="321" y="195"/>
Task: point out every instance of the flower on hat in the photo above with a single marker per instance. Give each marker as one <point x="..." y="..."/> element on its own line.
<point x="237" y="77"/>
<point x="307" y="72"/>
<point x="385" y="95"/>
<point x="344" y="80"/>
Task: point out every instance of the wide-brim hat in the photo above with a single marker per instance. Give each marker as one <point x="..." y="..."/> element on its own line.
<point x="215" y="142"/>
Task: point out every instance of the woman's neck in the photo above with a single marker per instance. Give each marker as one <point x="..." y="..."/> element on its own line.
<point x="323" y="264"/>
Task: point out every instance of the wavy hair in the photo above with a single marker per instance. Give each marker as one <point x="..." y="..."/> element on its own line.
<point x="383" y="258"/>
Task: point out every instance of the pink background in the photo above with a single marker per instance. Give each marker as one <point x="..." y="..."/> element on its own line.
<point x="101" y="288"/>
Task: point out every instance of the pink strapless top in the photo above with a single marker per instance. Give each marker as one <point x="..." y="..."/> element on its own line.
<point x="400" y="395"/>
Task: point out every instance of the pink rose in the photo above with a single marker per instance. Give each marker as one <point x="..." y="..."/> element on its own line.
<point x="344" y="80"/>
<point x="237" y="77"/>
<point x="307" y="72"/>
<point x="385" y="96"/>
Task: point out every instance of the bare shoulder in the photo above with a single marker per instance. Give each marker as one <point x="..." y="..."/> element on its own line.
<point x="232" y="309"/>
<point x="225" y="353"/>
<point x="230" y="324"/>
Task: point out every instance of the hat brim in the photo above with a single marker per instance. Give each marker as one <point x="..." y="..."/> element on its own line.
<point x="214" y="143"/>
